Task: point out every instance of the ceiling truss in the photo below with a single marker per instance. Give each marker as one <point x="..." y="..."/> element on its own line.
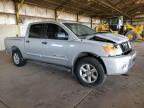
<point x="94" y="8"/>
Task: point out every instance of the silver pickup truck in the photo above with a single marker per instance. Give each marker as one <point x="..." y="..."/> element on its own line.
<point x="91" y="56"/>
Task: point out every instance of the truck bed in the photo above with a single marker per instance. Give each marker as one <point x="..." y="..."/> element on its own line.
<point x="14" y="41"/>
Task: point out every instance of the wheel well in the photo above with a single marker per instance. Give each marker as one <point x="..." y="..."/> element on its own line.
<point x="14" y="48"/>
<point x="83" y="55"/>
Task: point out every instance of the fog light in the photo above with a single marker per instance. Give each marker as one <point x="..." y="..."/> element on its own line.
<point x="124" y="67"/>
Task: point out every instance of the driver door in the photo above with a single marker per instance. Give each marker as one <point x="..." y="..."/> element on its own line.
<point x="56" y="47"/>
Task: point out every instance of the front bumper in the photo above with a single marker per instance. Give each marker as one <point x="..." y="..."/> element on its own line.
<point x="119" y="64"/>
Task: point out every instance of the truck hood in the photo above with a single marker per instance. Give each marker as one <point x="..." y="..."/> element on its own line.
<point x="110" y="37"/>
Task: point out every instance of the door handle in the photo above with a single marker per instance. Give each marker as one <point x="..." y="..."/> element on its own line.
<point x="44" y="43"/>
<point x="27" y="41"/>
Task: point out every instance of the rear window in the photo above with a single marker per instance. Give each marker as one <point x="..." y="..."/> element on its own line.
<point x="36" y="31"/>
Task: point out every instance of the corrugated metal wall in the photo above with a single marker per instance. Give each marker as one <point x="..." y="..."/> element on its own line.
<point x="7" y="21"/>
<point x="30" y="14"/>
<point x="7" y="12"/>
<point x="137" y="20"/>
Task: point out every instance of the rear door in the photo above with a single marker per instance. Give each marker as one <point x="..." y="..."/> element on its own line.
<point x="33" y="44"/>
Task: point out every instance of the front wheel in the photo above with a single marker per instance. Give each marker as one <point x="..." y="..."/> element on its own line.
<point x="90" y="72"/>
<point x="18" y="59"/>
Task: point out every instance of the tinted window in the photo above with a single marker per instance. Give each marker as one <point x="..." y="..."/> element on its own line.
<point x="54" y="31"/>
<point x="36" y="31"/>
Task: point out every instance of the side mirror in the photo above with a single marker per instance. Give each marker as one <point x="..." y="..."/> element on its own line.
<point x="62" y="36"/>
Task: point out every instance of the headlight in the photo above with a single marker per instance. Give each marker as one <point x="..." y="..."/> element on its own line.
<point x="129" y="44"/>
<point x="112" y="50"/>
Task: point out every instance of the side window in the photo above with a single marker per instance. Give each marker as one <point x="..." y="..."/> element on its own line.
<point x="36" y="31"/>
<point x="53" y="31"/>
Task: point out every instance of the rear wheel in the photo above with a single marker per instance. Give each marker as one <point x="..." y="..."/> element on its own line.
<point x="90" y="72"/>
<point x="17" y="58"/>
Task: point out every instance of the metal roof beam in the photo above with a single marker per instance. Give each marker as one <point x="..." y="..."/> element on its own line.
<point x="112" y="7"/>
<point x="62" y="4"/>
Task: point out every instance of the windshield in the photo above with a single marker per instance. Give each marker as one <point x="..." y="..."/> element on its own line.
<point x="80" y="30"/>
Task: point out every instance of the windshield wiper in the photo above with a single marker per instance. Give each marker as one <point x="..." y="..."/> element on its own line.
<point x="87" y="34"/>
<point x="94" y="33"/>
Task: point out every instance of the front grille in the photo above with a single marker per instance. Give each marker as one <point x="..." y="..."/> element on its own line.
<point x="125" y="48"/>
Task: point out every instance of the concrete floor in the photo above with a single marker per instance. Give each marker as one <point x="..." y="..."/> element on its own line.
<point x="46" y="86"/>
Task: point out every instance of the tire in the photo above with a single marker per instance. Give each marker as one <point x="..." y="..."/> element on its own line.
<point x="83" y="75"/>
<point x="133" y="36"/>
<point x="18" y="59"/>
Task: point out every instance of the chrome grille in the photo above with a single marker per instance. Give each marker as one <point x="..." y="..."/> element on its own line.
<point x="125" y="47"/>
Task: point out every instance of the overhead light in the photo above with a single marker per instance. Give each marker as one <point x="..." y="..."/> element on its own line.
<point x="139" y="1"/>
<point x="138" y="12"/>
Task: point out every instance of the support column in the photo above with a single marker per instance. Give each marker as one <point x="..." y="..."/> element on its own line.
<point x="91" y="22"/>
<point x="131" y="21"/>
<point x="17" y="8"/>
<point x="56" y="15"/>
<point x="77" y="18"/>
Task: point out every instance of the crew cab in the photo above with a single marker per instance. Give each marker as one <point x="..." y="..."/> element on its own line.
<point x="89" y="55"/>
